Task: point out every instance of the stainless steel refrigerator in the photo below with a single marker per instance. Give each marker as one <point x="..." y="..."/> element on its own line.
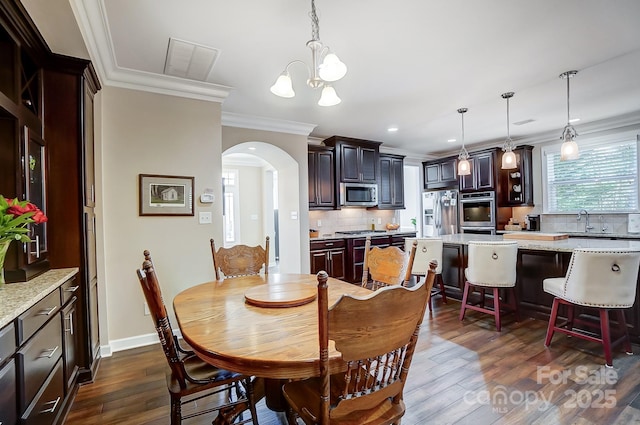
<point x="439" y="212"/>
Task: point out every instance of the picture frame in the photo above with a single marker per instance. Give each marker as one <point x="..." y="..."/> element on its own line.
<point x="162" y="195"/>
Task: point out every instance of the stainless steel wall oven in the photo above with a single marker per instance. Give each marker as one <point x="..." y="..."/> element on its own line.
<point x="478" y="212"/>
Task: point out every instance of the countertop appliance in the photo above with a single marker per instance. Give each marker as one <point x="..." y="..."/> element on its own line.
<point x="533" y="222"/>
<point x="439" y="212"/>
<point x="358" y="194"/>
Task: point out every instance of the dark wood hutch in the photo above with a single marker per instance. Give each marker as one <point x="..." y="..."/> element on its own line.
<point x="46" y="156"/>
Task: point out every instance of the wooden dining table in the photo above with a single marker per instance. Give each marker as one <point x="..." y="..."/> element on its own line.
<point x="228" y="325"/>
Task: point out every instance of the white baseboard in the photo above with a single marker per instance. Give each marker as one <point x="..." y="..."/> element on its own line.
<point x="131" y="342"/>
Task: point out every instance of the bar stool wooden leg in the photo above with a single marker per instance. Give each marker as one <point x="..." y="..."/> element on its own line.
<point x="464" y="299"/>
<point x="496" y="308"/>
<point x="570" y="316"/>
<point x="606" y="336"/>
<point x="442" y="292"/>
<point x="552" y="322"/>
<point x="623" y="324"/>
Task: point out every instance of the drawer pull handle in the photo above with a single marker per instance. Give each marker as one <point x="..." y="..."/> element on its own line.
<point x="70" y="319"/>
<point x="72" y="288"/>
<point x="329" y="244"/>
<point x="50" y="351"/>
<point x="46" y="312"/>
<point x="53" y="408"/>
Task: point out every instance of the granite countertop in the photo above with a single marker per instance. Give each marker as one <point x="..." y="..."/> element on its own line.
<point x="327" y="236"/>
<point x="16" y="298"/>
<point x="562" y="245"/>
<point x="585" y="235"/>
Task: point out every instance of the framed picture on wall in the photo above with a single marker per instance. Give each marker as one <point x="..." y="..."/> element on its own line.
<point x="166" y="195"/>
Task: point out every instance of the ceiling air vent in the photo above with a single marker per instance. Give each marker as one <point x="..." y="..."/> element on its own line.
<point x="189" y="60"/>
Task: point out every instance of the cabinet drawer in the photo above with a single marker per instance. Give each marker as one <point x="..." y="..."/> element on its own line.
<point x="328" y="244"/>
<point x="7" y="343"/>
<point x="31" y="320"/>
<point x="46" y="406"/>
<point x="37" y="358"/>
<point x="381" y="241"/>
<point x="68" y="290"/>
<point x="8" y="411"/>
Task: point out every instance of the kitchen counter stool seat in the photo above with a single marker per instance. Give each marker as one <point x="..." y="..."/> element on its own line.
<point x="491" y="265"/>
<point x="600" y="279"/>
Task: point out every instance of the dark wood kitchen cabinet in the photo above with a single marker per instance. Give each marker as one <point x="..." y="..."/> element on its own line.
<point x="328" y="255"/>
<point x="322" y="178"/>
<point x="483" y="172"/>
<point x="356" y="159"/>
<point x="516" y="185"/>
<point x="46" y="111"/>
<point x="440" y="174"/>
<point x="391" y="185"/>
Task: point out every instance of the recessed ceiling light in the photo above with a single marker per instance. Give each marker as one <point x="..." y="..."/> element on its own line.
<point x="451" y="140"/>
<point x="252" y="148"/>
<point x="392" y="129"/>
<point x="574" y="120"/>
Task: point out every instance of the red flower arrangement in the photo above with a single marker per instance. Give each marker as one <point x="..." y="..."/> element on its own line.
<point x="15" y="216"/>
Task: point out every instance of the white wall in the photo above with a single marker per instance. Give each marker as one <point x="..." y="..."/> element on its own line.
<point x="154" y="134"/>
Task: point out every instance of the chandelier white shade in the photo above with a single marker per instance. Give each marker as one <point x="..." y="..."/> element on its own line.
<point x="508" y="157"/>
<point x="464" y="168"/>
<point x="569" y="149"/>
<point x="320" y="73"/>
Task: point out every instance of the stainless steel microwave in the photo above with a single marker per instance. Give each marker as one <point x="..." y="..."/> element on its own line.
<point x="358" y="194"/>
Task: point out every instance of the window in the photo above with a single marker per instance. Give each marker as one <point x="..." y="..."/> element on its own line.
<point x="603" y="179"/>
<point x="230" y="209"/>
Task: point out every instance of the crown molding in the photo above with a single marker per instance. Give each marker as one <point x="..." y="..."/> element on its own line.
<point x="231" y="119"/>
<point x="92" y="21"/>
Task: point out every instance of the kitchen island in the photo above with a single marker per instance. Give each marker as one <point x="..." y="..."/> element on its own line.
<point x="537" y="260"/>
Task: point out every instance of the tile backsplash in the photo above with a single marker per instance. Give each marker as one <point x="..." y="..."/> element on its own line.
<point x="330" y="221"/>
<point x="612" y="223"/>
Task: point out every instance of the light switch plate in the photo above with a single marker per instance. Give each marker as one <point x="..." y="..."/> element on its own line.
<point x="204" y="217"/>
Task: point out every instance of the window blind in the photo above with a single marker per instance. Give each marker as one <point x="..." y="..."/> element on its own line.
<point x="603" y="179"/>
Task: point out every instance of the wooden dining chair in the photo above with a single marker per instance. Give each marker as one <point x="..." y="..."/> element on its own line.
<point x="189" y="379"/>
<point x="376" y="336"/>
<point x="240" y="260"/>
<point x="386" y="266"/>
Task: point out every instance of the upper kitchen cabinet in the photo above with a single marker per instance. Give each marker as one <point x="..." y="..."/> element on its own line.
<point x="440" y="174"/>
<point x="516" y="185"/>
<point x="322" y="178"/>
<point x="483" y="172"/>
<point x="356" y="159"/>
<point x="391" y="193"/>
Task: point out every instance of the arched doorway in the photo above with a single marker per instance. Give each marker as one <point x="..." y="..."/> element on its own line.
<point x="266" y="189"/>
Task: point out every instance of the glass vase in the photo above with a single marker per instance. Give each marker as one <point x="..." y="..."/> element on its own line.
<point x="4" y="246"/>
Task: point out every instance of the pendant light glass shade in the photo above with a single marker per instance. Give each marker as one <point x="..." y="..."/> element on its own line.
<point x="464" y="168"/>
<point x="328" y="97"/>
<point x="569" y="149"/>
<point x="509" y="161"/>
<point x="283" y="86"/>
<point x="332" y="68"/>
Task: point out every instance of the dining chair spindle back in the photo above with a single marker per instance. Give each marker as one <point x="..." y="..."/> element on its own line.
<point x="376" y="336"/>
<point x="189" y="379"/>
<point x="240" y="260"/>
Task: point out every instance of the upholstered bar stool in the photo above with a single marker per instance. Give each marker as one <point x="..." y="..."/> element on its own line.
<point x="491" y="265"/>
<point x="603" y="279"/>
<point x="427" y="249"/>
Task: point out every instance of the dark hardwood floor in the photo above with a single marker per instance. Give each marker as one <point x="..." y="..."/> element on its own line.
<point x="462" y="373"/>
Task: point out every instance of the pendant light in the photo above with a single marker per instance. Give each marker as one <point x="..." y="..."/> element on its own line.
<point x="569" y="148"/>
<point x="464" y="169"/>
<point x="508" y="157"/>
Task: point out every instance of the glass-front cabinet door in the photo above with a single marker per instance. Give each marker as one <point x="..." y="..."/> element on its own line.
<point x="34" y="168"/>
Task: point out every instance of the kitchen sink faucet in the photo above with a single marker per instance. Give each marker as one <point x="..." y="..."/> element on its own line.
<point x="587" y="226"/>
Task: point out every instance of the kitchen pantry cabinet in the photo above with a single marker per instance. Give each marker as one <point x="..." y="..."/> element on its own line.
<point x="328" y="255"/>
<point x="46" y="117"/>
<point x="356" y="159"/>
<point x="391" y="185"/>
<point x="516" y="185"/>
<point x="483" y="172"/>
<point x="322" y="178"/>
<point x="441" y="174"/>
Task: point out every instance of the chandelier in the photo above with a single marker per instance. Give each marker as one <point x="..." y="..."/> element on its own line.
<point x="508" y="157"/>
<point x="320" y="74"/>
<point x="464" y="169"/>
<point x="569" y="148"/>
